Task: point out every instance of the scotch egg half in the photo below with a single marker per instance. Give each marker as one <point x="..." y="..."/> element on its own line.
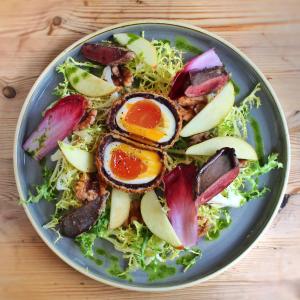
<point x="148" y="118"/>
<point x="129" y="166"/>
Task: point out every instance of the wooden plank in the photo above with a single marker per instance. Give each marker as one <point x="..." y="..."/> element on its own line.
<point x="32" y="35"/>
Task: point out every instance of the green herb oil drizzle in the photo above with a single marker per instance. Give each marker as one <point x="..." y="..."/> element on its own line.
<point x="183" y="44"/>
<point x="259" y="145"/>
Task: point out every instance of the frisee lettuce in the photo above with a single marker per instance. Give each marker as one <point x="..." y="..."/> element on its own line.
<point x="235" y="123"/>
<point x="157" y="79"/>
<point x="140" y="247"/>
<point x="247" y="183"/>
<point x="215" y="218"/>
<point x="45" y="191"/>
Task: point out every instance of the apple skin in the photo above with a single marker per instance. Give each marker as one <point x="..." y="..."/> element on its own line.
<point x="79" y="159"/>
<point x="138" y="45"/>
<point x="87" y="83"/>
<point x="212" y="114"/>
<point x="119" y="209"/>
<point x="243" y="150"/>
<point x="157" y="221"/>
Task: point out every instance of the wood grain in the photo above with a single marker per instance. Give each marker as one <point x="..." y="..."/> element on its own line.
<point x="33" y="32"/>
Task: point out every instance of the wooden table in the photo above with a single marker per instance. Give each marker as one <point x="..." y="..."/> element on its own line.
<point x="33" y="32"/>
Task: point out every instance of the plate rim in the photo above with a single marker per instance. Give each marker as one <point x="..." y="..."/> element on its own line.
<point x="69" y="261"/>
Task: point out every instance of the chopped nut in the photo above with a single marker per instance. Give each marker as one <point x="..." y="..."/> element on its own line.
<point x="188" y="101"/>
<point x="199" y="107"/>
<point x="88" y="120"/>
<point x="187" y="113"/>
<point x="86" y="188"/>
<point x="127" y="77"/>
<point x="200" y="137"/>
<point x="135" y="213"/>
<point x="122" y="76"/>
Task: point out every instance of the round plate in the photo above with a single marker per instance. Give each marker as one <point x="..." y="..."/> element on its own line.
<point x="248" y="223"/>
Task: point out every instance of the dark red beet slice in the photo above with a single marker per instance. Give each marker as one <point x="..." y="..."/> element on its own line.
<point x="181" y="80"/>
<point x="216" y="174"/>
<point x="179" y="193"/>
<point x="58" y="122"/>
<point x="81" y="219"/>
<point x="107" y="53"/>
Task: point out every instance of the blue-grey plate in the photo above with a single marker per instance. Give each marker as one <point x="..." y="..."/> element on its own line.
<point x="249" y="222"/>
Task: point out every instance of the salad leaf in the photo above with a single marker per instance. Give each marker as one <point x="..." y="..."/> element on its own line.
<point x="217" y="218"/>
<point x="189" y="259"/>
<point x="235" y="123"/>
<point x="46" y="190"/>
<point x="158" y="79"/>
<point x="138" y="244"/>
<point x="247" y="183"/>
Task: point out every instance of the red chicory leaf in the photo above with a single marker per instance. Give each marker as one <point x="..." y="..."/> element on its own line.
<point x="179" y="193"/>
<point x="57" y="123"/>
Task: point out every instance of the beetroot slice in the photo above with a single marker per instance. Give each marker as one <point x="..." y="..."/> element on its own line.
<point x="216" y="174"/>
<point x="181" y="80"/>
<point x="58" y="122"/>
<point x="107" y="53"/>
<point x="179" y="193"/>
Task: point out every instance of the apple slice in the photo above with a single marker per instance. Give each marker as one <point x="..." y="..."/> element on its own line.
<point x="138" y="45"/>
<point x="157" y="221"/>
<point x="119" y="208"/>
<point x="243" y="150"/>
<point x="80" y="159"/>
<point x="212" y="114"/>
<point x="87" y="83"/>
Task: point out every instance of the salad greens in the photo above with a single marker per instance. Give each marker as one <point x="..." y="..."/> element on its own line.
<point x="139" y="246"/>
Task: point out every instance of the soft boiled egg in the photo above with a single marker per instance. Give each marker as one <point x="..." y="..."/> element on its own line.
<point x="147" y="117"/>
<point x="128" y="165"/>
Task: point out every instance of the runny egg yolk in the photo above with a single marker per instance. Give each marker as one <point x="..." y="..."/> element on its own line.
<point x="143" y="113"/>
<point x="126" y="166"/>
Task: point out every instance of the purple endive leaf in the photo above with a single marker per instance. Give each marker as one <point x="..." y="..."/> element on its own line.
<point x="181" y="81"/>
<point x="179" y="193"/>
<point x="57" y="123"/>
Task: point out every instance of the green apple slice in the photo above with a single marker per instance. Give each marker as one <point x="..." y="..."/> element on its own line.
<point x="138" y="45"/>
<point x="212" y="114"/>
<point x="80" y="159"/>
<point x="119" y="208"/>
<point x="242" y="149"/>
<point x="156" y="220"/>
<point x="87" y="83"/>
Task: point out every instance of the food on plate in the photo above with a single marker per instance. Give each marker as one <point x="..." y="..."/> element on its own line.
<point x="107" y="53"/>
<point x="243" y="150"/>
<point x="119" y="208"/>
<point x="58" y="122"/>
<point x="180" y="197"/>
<point x="156" y="219"/>
<point x="139" y="46"/>
<point x="87" y="83"/>
<point x="127" y="172"/>
<point x="146" y="117"/>
<point x="81" y="219"/>
<point x="128" y="165"/>
<point x="182" y="80"/>
<point x="216" y="174"/>
<point x="212" y="114"/>
<point x="82" y="160"/>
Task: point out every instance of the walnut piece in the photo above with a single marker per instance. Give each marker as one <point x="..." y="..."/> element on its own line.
<point x="86" y="188"/>
<point x="122" y="76"/>
<point x="88" y="120"/>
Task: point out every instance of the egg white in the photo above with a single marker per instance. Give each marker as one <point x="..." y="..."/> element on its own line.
<point x="167" y="115"/>
<point x="106" y="164"/>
